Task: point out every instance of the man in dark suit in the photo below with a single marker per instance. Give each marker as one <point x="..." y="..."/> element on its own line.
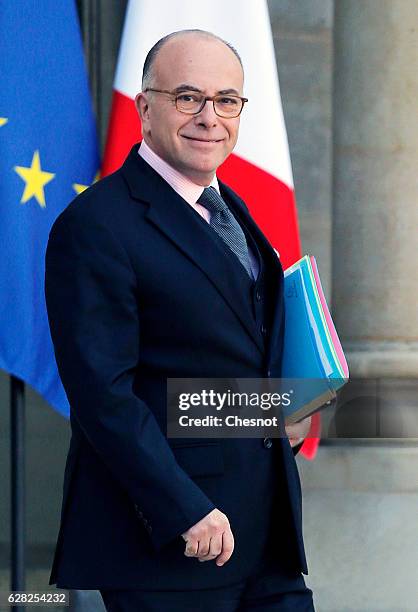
<point x="158" y="271"/>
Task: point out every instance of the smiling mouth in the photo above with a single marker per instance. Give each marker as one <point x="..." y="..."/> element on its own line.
<point x="202" y="139"/>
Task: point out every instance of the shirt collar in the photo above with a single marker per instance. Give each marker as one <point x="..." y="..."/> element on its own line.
<point x="188" y="190"/>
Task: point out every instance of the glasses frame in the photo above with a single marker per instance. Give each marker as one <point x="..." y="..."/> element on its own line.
<point x="204" y="100"/>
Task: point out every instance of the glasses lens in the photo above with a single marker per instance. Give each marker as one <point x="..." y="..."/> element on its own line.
<point x="189" y="102"/>
<point x="228" y="106"/>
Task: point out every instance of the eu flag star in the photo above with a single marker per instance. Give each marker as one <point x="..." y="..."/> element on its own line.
<point x="35" y="179"/>
<point x="79" y="187"/>
<point x="3" y="121"/>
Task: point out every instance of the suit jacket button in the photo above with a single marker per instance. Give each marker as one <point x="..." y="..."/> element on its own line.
<point x="263" y="329"/>
<point x="267" y="442"/>
<point x="258" y="296"/>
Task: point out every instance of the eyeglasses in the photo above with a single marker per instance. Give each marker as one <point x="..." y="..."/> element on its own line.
<point x="192" y="102"/>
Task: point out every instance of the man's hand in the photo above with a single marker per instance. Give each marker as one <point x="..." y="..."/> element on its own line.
<point x="210" y="538"/>
<point x="298" y="431"/>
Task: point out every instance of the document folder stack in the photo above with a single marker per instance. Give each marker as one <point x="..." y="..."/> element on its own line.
<point x="312" y="353"/>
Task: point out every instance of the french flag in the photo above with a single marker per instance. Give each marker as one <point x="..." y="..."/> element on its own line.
<point x="259" y="170"/>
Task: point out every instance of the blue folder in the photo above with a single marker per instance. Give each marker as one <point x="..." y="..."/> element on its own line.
<point x="310" y="365"/>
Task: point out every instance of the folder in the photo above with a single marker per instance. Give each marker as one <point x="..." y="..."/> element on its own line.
<point x="313" y="358"/>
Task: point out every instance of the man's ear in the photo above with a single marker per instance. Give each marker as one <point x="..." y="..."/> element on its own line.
<point x="141" y="104"/>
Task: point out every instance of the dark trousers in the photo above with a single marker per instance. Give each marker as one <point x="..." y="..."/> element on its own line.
<point x="271" y="589"/>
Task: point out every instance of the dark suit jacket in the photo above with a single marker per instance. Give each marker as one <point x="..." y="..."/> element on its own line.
<point x="139" y="289"/>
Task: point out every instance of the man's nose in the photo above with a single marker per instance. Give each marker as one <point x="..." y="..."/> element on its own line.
<point x="207" y="115"/>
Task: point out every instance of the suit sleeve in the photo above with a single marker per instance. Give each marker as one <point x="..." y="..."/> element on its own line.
<point x="91" y="296"/>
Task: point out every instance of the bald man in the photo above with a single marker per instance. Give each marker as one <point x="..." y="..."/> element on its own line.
<point x="158" y="271"/>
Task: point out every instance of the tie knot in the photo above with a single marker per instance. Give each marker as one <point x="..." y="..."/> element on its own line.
<point x="211" y="200"/>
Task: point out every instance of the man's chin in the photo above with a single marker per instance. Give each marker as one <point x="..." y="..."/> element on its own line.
<point x="202" y="169"/>
<point x="206" y="163"/>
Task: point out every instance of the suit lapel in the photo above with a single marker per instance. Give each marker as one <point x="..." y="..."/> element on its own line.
<point x="186" y="229"/>
<point x="272" y="264"/>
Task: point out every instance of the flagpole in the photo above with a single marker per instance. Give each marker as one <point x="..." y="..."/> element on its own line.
<point x="17" y="451"/>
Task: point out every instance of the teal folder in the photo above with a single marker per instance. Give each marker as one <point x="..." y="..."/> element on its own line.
<point x="314" y="366"/>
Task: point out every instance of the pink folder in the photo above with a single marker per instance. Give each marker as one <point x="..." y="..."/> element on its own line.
<point x="335" y="340"/>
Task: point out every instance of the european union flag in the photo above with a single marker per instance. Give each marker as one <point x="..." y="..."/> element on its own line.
<point x="48" y="154"/>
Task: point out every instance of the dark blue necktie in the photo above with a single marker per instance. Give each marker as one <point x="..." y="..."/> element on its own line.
<point x="225" y="224"/>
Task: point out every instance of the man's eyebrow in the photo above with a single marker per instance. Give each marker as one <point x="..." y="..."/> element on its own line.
<point x="188" y="87"/>
<point x="229" y="91"/>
